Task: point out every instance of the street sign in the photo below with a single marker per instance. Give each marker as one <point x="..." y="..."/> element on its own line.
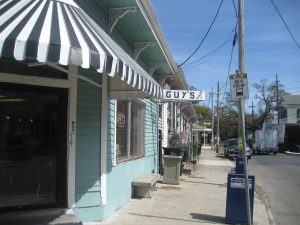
<point x="183" y="95"/>
<point x="238" y="86"/>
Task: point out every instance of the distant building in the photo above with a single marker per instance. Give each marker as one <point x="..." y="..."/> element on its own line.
<point x="291" y="111"/>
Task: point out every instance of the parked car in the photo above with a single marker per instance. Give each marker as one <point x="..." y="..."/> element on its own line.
<point x="231" y="149"/>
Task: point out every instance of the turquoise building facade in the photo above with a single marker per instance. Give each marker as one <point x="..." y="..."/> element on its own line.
<point x="88" y="77"/>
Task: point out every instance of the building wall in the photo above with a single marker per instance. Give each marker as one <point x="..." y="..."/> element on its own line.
<point x="87" y="172"/>
<point x="120" y="176"/>
<point x="88" y="204"/>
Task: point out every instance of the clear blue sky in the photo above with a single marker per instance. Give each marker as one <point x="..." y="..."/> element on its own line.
<point x="269" y="49"/>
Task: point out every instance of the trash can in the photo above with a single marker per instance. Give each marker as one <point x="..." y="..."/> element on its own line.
<point x="174" y="151"/>
<point x="177" y="151"/>
<point x="172" y="168"/>
<point x="236" y="208"/>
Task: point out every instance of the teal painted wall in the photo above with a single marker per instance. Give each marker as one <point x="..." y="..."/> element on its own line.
<point x="87" y="183"/>
<point x="119" y="177"/>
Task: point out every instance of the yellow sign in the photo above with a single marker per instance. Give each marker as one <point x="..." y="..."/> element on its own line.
<point x="240" y="144"/>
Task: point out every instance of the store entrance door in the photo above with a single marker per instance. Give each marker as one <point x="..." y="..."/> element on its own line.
<point x="33" y="128"/>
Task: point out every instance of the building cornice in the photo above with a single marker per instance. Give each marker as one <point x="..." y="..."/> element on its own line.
<point x="148" y="13"/>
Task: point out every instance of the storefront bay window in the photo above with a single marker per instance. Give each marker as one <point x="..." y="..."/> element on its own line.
<point x="130" y="129"/>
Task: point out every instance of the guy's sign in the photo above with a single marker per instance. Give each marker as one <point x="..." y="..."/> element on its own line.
<point x="187" y="95"/>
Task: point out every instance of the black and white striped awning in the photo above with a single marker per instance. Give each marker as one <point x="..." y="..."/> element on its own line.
<point x="60" y="32"/>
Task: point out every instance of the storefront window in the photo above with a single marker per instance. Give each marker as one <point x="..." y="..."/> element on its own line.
<point x="30" y="139"/>
<point x="130" y="128"/>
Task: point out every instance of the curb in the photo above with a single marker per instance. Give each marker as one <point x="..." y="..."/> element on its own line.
<point x="292" y="153"/>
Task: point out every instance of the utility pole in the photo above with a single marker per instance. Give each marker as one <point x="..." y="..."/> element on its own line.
<point x="218" y="116"/>
<point x="252" y="111"/>
<point x="212" y="119"/>
<point x="252" y="114"/>
<point x="277" y="98"/>
<point x="242" y="104"/>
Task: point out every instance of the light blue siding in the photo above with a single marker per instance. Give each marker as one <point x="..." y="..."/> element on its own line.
<point x="120" y="177"/>
<point x="87" y="178"/>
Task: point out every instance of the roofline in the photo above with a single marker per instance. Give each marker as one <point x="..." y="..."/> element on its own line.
<point x="147" y="11"/>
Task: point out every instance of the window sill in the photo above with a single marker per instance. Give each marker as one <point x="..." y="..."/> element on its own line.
<point x="123" y="160"/>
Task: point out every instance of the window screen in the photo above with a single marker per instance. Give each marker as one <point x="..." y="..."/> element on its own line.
<point x="130" y="129"/>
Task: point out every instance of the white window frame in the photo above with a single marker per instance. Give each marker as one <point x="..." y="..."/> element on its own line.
<point x="130" y="156"/>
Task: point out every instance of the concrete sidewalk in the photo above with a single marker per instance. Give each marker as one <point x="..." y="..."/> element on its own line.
<point x="199" y="199"/>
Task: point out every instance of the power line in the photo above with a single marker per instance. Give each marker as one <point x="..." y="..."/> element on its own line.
<point x="231" y="53"/>
<point x="211" y="53"/>
<point x="286" y="26"/>
<point x="230" y="61"/>
<point x="236" y="13"/>
<point x="204" y="35"/>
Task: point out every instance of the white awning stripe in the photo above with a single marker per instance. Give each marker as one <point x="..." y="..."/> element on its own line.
<point x="53" y="31"/>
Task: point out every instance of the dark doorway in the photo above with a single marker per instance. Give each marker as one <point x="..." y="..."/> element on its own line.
<point x="33" y="128"/>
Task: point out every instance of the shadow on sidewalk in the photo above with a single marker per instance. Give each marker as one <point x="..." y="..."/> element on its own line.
<point x="200" y="182"/>
<point x="208" y="218"/>
<point x="196" y="217"/>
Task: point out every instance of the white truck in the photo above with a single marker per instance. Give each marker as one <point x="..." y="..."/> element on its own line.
<point x="288" y="137"/>
<point x="266" y="141"/>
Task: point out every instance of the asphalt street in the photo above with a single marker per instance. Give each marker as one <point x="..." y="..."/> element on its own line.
<point x="277" y="176"/>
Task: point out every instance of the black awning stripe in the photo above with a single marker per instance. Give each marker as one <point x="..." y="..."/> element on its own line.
<point x="61" y="32"/>
<point x="142" y="83"/>
<point x="65" y="47"/>
<point x="94" y="29"/>
<point x="23" y="41"/>
<point x="54" y="42"/>
<point x="6" y="5"/>
<point x="145" y="84"/>
<point x="108" y="64"/>
<point x="11" y="29"/>
<point x="95" y="41"/>
<point x="137" y="80"/>
<point x="94" y="53"/>
<point x="76" y="51"/>
<point x="38" y="30"/>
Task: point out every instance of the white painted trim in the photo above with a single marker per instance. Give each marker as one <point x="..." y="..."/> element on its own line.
<point x="115" y="135"/>
<point x="71" y="141"/>
<point x="103" y="138"/>
<point x="32" y="80"/>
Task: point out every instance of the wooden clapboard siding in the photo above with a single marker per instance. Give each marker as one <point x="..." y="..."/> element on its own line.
<point x="111" y="134"/>
<point x="151" y="129"/>
<point x="87" y="180"/>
